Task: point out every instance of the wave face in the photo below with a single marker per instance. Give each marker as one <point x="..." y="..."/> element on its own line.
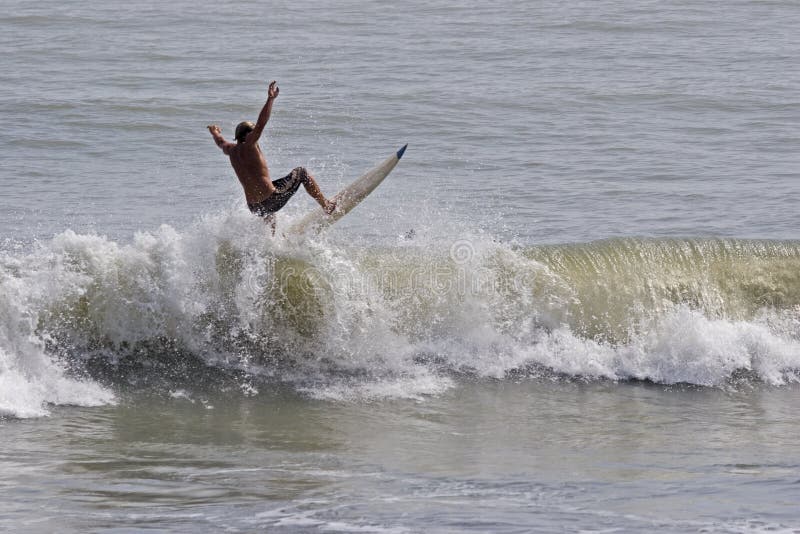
<point x="219" y="305"/>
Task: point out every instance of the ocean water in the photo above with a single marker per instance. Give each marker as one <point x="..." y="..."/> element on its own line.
<point x="573" y="306"/>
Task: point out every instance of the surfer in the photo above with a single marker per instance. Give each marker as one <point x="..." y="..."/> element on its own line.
<point x="264" y="197"/>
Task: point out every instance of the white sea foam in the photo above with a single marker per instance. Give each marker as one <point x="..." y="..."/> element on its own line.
<point x="30" y="379"/>
<point x="345" y="322"/>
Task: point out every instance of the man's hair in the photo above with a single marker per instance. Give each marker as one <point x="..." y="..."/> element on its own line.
<point x="242" y="129"/>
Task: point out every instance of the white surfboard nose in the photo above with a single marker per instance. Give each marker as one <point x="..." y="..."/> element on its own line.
<point x="348" y="198"/>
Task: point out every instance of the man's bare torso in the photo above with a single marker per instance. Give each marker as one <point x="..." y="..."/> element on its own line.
<point x="251" y="168"/>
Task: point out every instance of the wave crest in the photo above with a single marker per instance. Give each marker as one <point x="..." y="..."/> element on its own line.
<point x="81" y="315"/>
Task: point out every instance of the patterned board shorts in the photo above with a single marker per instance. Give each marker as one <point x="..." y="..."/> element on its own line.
<point x="284" y="189"/>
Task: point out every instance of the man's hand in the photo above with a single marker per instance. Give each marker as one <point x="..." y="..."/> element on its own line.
<point x="273" y="90"/>
<point x="218" y="139"/>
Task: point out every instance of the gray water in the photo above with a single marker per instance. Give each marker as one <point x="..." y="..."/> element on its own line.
<point x="490" y="458"/>
<point x="161" y="368"/>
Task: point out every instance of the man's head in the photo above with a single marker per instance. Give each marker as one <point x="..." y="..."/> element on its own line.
<point x="242" y="129"/>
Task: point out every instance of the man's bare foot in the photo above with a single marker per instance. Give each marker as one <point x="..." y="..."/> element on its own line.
<point x="330" y="206"/>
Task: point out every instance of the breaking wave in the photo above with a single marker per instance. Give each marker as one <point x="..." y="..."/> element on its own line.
<point x="220" y="305"/>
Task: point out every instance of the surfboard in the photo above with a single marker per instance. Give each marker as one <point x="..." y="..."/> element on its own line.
<point x="348" y="198"/>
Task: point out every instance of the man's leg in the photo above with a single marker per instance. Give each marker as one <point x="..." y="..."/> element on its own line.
<point x="313" y="189"/>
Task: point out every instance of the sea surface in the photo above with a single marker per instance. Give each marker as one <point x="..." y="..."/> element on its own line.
<point x="574" y="306"/>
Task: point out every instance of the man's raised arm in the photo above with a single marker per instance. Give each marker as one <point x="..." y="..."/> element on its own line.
<point x="263" y="117"/>
<point x="221" y="142"/>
